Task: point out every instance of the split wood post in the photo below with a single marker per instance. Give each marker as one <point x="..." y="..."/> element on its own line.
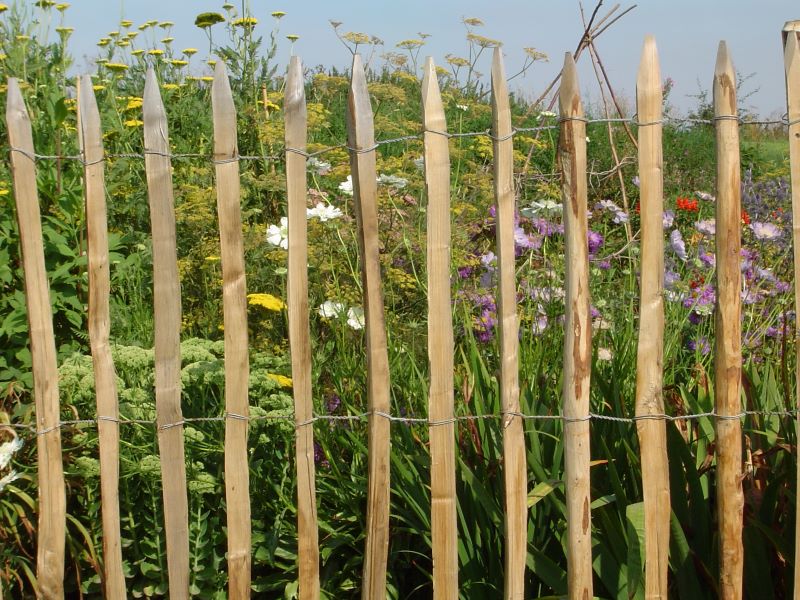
<point x="105" y="378"/>
<point x="514" y="459"/>
<point x="52" y="495"/>
<point x="299" y="332"/>
<point x="234" y="310"/>
<point x="167" y="317"/>
<point x="444" y="526"/>
<point x="791" y="61"/>
<point x="650" y="354"/>
<point x="361" y="141"/>
<point x="728" y="331"/>
<point x="577" y="335"/>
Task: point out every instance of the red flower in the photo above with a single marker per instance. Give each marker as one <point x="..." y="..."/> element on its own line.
<point x="745" y="217"/>
<point x="687" y="204"/>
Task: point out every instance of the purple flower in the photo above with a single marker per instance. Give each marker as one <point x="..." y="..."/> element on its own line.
<point x="545" y="227"/>
<point x="604" y="264"/>
<point x="707" y="227"/>
<point x="700" y="345"/>
<point x="765" y="231"/>
<point x="539" y="324"/>
<point x="709" y="259"/>
<point x="488" y="260"/>
<point x="677" y="244"/>
<point x="333" y="403"/>
<point x="595" y="241"/>
<point x="319" y="456"/>
<point x="464" y="272"/>
<point x="668" y="219"/>
<point x="670" y="279"/>
<point x="485" y="324"/>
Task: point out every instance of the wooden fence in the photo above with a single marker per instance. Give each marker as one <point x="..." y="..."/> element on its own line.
<point x="651" y="420"/>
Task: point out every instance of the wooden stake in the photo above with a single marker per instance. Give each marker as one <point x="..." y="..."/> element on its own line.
<point x="728" y="331"/>
<point x="105" y="378"/>
<point x="791" y="61"/>
<point x="234" y="307"/>
<point x="361" y="138"/>
<point x="167" y="317"/>
<point x="650" y="354"/>
<point x="515" y="476"/>
<point x="299" y="332"/>
<point x="577" y="335"/>
<point x="52" y="496"/>
<point x="444" y="527"/>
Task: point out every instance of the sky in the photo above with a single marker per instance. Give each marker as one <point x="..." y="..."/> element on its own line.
<point x="687" y="33"/>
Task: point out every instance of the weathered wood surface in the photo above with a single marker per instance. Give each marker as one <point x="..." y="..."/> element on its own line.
<point x="167" y="320"/>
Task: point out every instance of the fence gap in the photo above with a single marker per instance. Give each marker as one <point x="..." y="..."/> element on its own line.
<point x="52" y="494"/>
<point x="650" y="353"/>
<point x="728" y="330"/>
<point x="167" y="319"/>
<point x="444" y="527"/>
<point x="105" y="378"/>
<point x="234" y="308"/>
<point x="361" y="141"/>
<point x="577" y="334"/>
<point x="791" y="61"/>
<point x="514" y="460"/>
<point x="296" y="137"/>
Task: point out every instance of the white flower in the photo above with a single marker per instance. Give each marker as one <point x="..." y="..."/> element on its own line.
<point x="419" y="163"/>
<point x="324" y="212"/>
<point x="317" y="166"/>
<point x="604" y="354"/>
<point x="355" y="317"/>
<point x="536" y="207"/>
<point x="8" y="478"/>
<point x="705" y="196"/>
<point x="346" y="187"/>
<point x="392" y="181"/>
<point x="587" y="139"/>
<point x="462" y="107"/>
<point x="330" y="309"/>
<point x="7" y="450"/>
<point x="278" y="235"/>
<point x="546" y="113"/>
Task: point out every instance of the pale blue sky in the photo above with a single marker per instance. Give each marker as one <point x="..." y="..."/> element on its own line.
<point x="687" y="33"/>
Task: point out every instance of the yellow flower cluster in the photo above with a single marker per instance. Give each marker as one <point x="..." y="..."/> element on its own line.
<point x="267" y="301"/>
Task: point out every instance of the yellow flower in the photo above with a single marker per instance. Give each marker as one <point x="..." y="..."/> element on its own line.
<point x="45" y="3"/>
<point x="62" y="7"/>
<point x="3" y="192"/>
<point x="170" y="86"/>
<point x="211" y="63"/>
<point x="166" y="24"/>
<point x="155" y="52"/>
<point x="281" y="380"/>
<point x="267" y="301"/>
<point x="3" y="8"/>
<point x="189" y="51"/>
<point x="167" y="40"/>
<point x="292" y="37"/>
<point x="207" y="78"/>
<point x="104" y="42"/>
<point x="3" y="57"/>
<point x="245" y="22"/>
<point x="176" y="62"/>
<point x="132" y="34"/>
<point x="117" y="66"/>
<point x="98" y="88"/>
<point x="133" y="123"/>
<point x="137" y="52"/>
<point x="113" y="33"/>
<point x="123" y="43"/>
<point x="23" y="38"/>
<point x="126" y="23"/>
<point x="278" y="14"/>
<point x="212" y="258"/>
<point x="133" y="103"/>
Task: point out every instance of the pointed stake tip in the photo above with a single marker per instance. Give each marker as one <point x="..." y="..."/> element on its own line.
<point x="724" y="63"/>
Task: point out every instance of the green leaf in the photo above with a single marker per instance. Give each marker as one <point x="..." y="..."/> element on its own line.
<point x="634" y="515"/>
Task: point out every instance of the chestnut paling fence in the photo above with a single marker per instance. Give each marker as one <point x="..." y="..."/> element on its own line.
<point x="650" y="418"/>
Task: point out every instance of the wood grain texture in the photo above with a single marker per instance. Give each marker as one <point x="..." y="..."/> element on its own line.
<point x="361" y="140"/>
<point x="650" y="352"/>
<point x="167" y="317"/>
<point x="234" y="309"/>
<point x="105" y="378"/>
<point x="728" y="331"/>
<point x="299" y="333"/>
<point x="514" y="460"/>
<point x="577" y="335"/>
<point x="52" y="497"/>
<point x="444" y="527"/>
<point x="791" y="62"/>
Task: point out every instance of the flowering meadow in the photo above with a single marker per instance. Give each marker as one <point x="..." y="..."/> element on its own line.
<point x="34" y="47"/>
